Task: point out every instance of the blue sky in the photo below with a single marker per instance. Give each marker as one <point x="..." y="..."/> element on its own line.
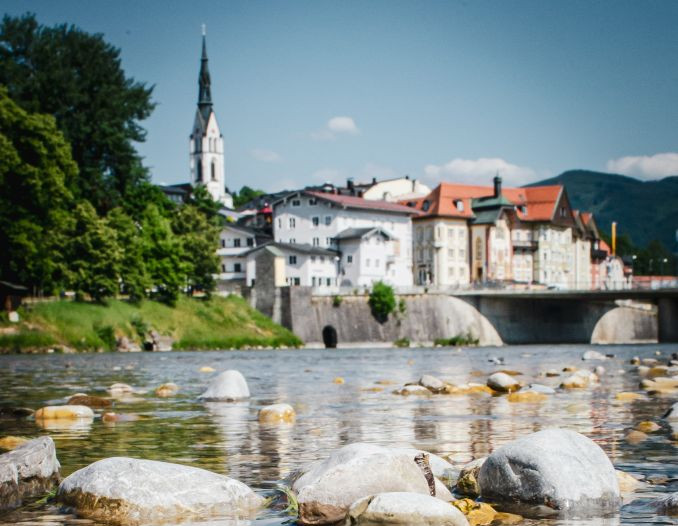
<point x="312" y="91"/>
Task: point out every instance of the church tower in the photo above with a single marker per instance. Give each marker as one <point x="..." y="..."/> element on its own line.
<point x="206" y="144"/>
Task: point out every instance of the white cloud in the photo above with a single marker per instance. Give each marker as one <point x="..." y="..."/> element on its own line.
<point x="336" y="126"/>
<point x="646" y="166"/>
<point x="266" y="156"/>
<point x="480" y="171"/>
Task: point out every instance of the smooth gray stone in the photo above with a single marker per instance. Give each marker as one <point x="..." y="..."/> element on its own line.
<point x="404" y="509"/>
<point x="27" y="471"/>
<point x="132" y="491"/>
<point x="229" y="386"/>
<point x="551" y="472"/>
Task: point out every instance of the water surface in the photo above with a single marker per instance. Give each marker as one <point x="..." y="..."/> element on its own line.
<point x="228" y="439"/>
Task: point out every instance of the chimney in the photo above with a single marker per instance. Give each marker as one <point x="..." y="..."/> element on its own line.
<point x="497" y="186"/>
<point x="349" y="185"/>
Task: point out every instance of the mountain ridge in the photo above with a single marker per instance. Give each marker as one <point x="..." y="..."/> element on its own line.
<point x="643" y="210"/>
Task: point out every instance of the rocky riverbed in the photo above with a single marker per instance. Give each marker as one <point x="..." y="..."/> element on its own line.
<point x="559" y="435"/>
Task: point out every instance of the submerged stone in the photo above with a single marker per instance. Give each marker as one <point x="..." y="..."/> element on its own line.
<point x="27" y="471"/>
<point x="635" y="437"/>
<point x="167" y="390"/>
<point x="527" y="397"/>
<point x="12" y="442"/>
<point x="554" y="471"/>
<point x="59" y="412"/>
<point x="277" y="413"/>
<point x="123" y="490"/>
<point x="228" y="386"/>
<point x="503" y="383"/>
<point x="467" y="483"/>
<point x="404" y="509"/>
<point x="648" y="427"/>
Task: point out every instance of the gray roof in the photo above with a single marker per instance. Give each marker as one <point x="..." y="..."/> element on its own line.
<point x="359" y="233"/>
<point x="301" y="248"/>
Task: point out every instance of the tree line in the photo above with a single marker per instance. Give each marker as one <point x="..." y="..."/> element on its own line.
<point x="78" y="211"/>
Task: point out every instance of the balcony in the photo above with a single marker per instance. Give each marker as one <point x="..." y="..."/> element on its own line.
<point x="527" y="244"/>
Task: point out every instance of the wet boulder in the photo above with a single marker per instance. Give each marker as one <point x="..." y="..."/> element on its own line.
<point x="130" y="491"/>
<point x="413" y="390"/>
<point x="64" y="412"/>
<point x="433" y="384"/>
<point x="502" y="382"/>
<point x="551" y="472"/>
<point x="229" y="386"/>
<point x="277" y="413"/>
<point x="404" y="508"/>
<point x="90" y="401"/>
<point x="326" y="489"/>
<point x="593" y="355"/>
<point x="27" y="471"/>
<point x="667" y="505"/>
<point x="467" y="483"/>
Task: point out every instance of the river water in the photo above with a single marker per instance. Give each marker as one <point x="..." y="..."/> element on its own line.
<point x="228" y="439"/>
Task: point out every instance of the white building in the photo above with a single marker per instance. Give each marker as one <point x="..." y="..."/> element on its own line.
<point x="398" y="189"/>
<point x="206" y="143"/>
<point x="305" y="265"/>
<point x="234" y="242"/>
<point x="373" y="239"/>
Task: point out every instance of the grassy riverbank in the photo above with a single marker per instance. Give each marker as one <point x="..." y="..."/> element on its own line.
<point x="219" y="323"/>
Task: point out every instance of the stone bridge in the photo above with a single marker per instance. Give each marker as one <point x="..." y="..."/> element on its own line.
<point x="494" y="317"/>
<point x="573" y="316"/>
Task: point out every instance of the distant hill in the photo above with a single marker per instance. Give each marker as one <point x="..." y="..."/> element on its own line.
<point x="645" y="210"/>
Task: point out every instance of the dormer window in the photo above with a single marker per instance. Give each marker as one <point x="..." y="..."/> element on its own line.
<point x="459" y="204"/>
<point x="523" y="210"/>
<point x="425" y="205"/>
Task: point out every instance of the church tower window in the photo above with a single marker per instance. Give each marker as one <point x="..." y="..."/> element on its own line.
<point x="198" y="171"/>
<point x="213" y="171"/>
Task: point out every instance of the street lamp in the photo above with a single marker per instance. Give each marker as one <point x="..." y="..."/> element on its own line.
<point x="633" y="267"/>
<point x="665" y="260"/>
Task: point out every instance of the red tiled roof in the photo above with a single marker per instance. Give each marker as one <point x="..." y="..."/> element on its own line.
<point x="540" y="201"/>
<point x="349" y="201"/>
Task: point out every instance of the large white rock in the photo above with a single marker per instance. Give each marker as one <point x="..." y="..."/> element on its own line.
<point x="325" y="489"/>
<point x="28" y="470"/>
<point x="503" y="382"/>
<point x="433" y="384"/>
<point x="132" y="491"/>
<point x="593" y="355"/>
<point x="554" y="471"/>
<point x="229" y="386"/>
<point x="404" y="508"/>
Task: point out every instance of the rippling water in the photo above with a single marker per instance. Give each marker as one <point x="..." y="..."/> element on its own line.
<point x="228" y="439"/>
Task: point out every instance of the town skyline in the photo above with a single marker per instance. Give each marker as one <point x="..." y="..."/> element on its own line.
<point x="308" y="93"/>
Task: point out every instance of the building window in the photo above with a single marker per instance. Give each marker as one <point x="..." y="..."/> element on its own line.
<point x="236" y="242"/>
<point x="313" y="281"/>
<point x="293" y="240"/>
<point x="450" y="253"/>
<point x="462" y="253"/>
<point x="293" y="260"/>
<point x="312" y="201"/>
<point x="425" y="205"/>
<point x="292" y="222"/>
<point x="296" y="202"/>
<point x="322" y="259"/>
<point x="250" y="241"/>
<point x="312" y="259"/>
<point x="237" y="267"/>
<point x="213" y="171"/>
<point x="297" y="281"/>
<point x="376" y="263"/>
<point x="223" y="268"/>
<point x="328" y="241"/>
<point x="198" y="176"/>
<point x="328" y="281"/>
<point x="479" y="249"/>
<point x="328" y="220"/>
<point x="315" y="220"/>
<point x="459" y="204"/>
<point x="349" y="259"/>
<point x="316" y="241"/>
<point x="279" y="222"/>
<point x="223" y="243"/>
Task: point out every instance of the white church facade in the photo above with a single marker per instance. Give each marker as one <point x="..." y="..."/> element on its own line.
<point x="206" y="143"/>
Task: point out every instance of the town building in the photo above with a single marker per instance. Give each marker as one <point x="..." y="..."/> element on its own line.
<point x="371" y="239"/>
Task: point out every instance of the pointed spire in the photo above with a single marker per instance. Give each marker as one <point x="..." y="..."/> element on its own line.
<point x="205" y="93"/>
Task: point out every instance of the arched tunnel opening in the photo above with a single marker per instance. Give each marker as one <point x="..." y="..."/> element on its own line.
<point x="330" y="337"/>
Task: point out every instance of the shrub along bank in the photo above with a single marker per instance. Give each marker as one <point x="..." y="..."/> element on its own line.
<point x="217" y="323"/>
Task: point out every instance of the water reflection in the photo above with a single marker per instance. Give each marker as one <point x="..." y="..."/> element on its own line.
<point x="228" y="438"/>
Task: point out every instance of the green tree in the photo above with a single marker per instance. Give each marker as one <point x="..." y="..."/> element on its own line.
<point x="164" y="256"/>
<point x="133" y="273"/>
<point x="382" y="301"/>
<point x="199" y="239"/>
<point x="202" y="200"/>
<point x="77" y="77"/>
<point x="246" y="194"/>
<point x="35" y="170"/>
<point x="93" y="255"/>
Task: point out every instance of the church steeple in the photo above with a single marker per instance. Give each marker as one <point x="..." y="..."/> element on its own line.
<point x="205" y="93"/>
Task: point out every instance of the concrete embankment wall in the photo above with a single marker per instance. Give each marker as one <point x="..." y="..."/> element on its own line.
<point x="426" y="318"/>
